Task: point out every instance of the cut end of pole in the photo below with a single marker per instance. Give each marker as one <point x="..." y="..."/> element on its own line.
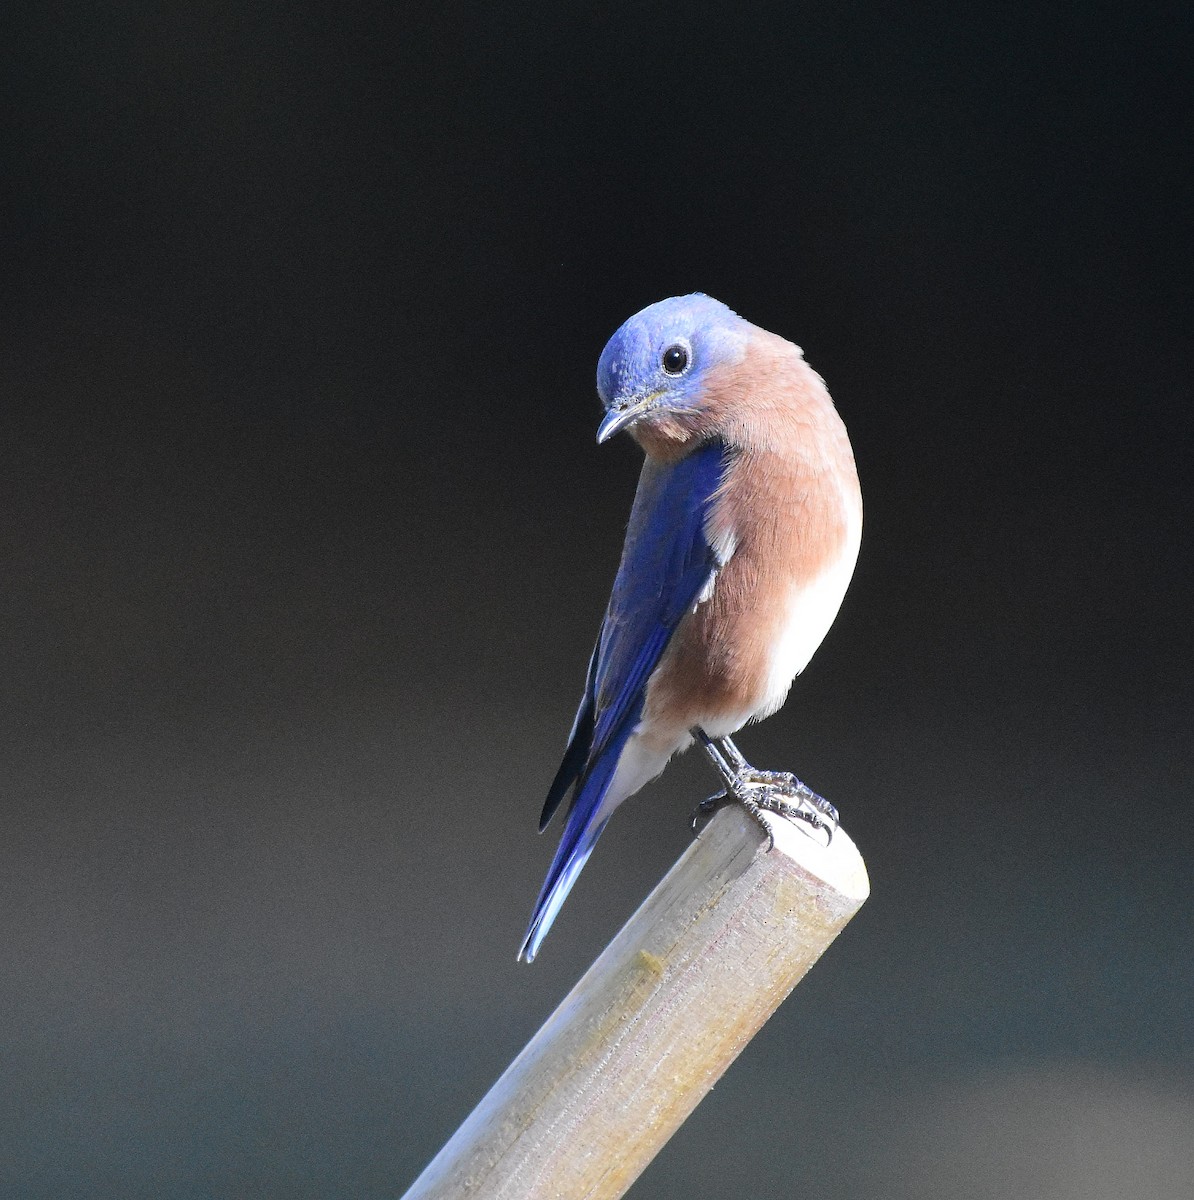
<point x="837" y="864"/>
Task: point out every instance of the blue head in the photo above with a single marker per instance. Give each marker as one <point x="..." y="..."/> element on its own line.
<point x="655" y="367"/>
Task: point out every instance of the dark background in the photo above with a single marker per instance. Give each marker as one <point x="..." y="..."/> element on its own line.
<point x="305" y="539"/>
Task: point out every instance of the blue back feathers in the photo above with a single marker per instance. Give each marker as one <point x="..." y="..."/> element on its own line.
<point x="666" y="563"/>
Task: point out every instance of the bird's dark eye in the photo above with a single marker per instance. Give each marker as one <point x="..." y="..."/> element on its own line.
<point x="675" y="359"/>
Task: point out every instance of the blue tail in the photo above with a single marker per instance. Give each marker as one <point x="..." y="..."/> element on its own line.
<point x="581" y="832"/>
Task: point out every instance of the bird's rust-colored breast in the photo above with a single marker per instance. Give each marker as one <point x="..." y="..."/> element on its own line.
<point x="791" y="509"/>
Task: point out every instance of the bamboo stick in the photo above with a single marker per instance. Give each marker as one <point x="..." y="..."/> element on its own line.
<point x="657" y="1019"/>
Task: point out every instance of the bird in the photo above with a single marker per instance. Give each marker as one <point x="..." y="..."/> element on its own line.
<point x="741" y="542"/>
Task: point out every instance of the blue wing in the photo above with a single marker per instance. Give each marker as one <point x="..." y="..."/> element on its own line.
<point x="666" y="564"/>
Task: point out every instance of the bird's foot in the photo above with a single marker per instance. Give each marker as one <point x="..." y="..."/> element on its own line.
<point x="786" y="785"/>
<point x="763" y="793"/>
<point x="779" y="794"/>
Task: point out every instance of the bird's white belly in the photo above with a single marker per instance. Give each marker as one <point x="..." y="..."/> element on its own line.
<point x="811" y="609"/>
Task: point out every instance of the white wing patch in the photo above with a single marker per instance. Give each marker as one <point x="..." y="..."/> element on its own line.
<point x="723" y="547"/>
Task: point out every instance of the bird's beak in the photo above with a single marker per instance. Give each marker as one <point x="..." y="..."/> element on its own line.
<point x="618" y="418"/>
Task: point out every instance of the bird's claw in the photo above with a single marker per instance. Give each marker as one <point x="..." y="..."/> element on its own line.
<point x="797" y="804"/>
<point x="705" y="810"/>
<point x="801" y="804"/>
<point x="807" y="799"/>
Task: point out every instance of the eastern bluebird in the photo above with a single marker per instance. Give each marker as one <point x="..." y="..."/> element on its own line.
<point x="741" y="543"/>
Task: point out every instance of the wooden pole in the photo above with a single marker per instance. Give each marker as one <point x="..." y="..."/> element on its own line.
<point x="657" y="1019"/>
